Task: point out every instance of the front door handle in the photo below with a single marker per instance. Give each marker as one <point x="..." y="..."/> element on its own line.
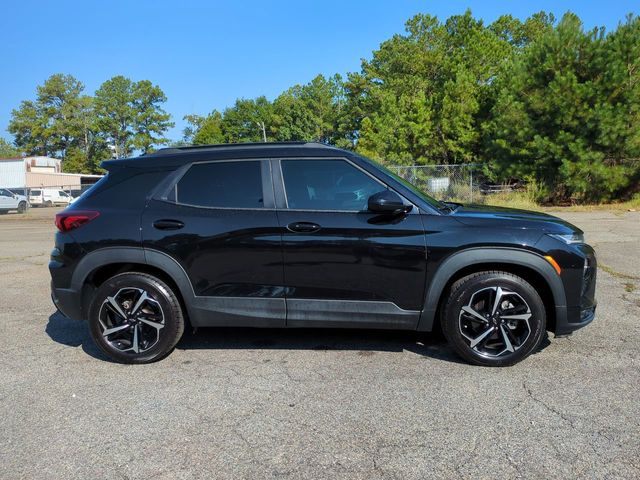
<point x="303" y="227"/>
<point x="166" y="224"/>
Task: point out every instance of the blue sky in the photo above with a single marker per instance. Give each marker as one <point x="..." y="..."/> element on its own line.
<point x="205" y="54"/>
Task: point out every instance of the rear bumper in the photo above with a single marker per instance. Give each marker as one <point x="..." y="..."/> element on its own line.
<point x="68" y="302"/>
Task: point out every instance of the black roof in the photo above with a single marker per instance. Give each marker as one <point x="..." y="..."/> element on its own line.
<point x="176" y="156"/>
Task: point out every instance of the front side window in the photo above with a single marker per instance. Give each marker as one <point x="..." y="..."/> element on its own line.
<point x="327" y="185"/>
<point x="5" y="193"/>
<point x="222" y="185"/>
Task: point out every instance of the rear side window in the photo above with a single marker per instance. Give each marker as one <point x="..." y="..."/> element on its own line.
<point x="222" y="185"/>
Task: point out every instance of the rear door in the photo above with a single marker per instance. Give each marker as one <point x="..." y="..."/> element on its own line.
<point x="35" y="197"/>
<point x="218" y="221"/>
<point x="343" y="265"/>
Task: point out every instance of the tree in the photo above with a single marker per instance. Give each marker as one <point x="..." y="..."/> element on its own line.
<point x="420" y="97"/>
<point x="115" y="114"/>
<point x="311" y="112"/>
<point x="563" y="111"/>
<point x="7" y="150"/>
<point x="150" y="121"/>
<point x="48" y="125"/>
<point x="130" y="116"/>
<point x="210" y="132"/>
<point x="249" y="120"/>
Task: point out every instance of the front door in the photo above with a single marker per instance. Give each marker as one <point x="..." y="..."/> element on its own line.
<point x="219" y="223"/>
<point x="6" y="199"/>
<point x="343" y="265"/>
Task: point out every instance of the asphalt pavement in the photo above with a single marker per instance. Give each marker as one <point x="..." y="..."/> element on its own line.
<point x="240" y="403"/>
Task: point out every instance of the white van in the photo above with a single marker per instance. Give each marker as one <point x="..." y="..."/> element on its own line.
<point x="47" y="197"/>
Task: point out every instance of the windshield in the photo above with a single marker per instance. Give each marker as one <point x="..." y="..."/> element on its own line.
<point x="409" y="186"/>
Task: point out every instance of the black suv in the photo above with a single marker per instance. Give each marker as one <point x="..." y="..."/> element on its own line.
<point x="305" y="235"/>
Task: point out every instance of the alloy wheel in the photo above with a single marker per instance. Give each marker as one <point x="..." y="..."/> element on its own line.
<point x="495" y="322"/>
<point x="131" y="320"/>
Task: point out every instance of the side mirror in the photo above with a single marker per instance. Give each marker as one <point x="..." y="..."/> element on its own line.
<point x="387" y="202"/>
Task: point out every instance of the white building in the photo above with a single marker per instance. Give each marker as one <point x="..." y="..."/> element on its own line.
<point x="41" y="172"/>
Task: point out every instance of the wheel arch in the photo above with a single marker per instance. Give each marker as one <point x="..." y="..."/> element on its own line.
<point x="100" y="265"/>
<point x="530" y="266"/>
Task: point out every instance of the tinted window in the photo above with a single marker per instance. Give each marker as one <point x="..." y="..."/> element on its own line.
<point x="35" y="193"/>
<point x="222" y="184"/>
<point x="5" y="193"/>
<point x="327" y="185"/>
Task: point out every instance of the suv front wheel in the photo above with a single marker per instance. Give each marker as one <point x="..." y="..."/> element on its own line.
<point x="135" y="318"/>
<point x="493" y="318"/>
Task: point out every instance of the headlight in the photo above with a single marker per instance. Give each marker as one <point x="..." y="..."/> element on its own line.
<point x="569" y="239"/>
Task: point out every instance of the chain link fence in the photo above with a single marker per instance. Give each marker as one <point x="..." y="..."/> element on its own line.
<point x="444" y="182"/>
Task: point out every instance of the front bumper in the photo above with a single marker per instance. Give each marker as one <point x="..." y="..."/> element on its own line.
<point x="576" y="318"/>
<point x="583" y="291"/>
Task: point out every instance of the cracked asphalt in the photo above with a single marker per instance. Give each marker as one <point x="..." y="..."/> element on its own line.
<point x="234" y="403"/>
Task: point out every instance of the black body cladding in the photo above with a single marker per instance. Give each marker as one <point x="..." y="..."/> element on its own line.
<point x="256" y="256"/>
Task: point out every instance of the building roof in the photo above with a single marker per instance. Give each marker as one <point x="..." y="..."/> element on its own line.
<point x="176" y="156"/>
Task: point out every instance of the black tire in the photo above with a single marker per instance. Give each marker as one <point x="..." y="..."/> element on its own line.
<point x="22" y="207"/>
<point x="48" y="203"/>
<point x="511" y="340"/>
<point x="162" y="303"/>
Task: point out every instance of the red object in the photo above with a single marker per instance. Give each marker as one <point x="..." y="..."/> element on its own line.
<point x="67" y="221"/>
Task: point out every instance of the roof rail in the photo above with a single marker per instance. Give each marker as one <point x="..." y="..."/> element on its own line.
<point x="187" y="148"/>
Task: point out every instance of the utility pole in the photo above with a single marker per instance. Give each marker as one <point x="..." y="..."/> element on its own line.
<point x="264" y="131"/>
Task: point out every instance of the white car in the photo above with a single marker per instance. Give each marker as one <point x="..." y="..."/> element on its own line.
<point x="12" y="201"/>
<point x="47" y="197"/>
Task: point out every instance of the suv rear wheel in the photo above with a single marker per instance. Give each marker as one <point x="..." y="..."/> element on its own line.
<point x="493" y="318"/>
<point x="135" y="318"/>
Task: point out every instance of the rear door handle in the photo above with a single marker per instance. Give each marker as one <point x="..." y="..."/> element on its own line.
<point x="303" y="227"/>
<point x="168" y="224"/>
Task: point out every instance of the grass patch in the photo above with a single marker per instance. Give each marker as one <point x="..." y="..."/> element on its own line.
<point x="614" y="273"/>
<point x="526" y="199"/>
<point x="520" y="200"/>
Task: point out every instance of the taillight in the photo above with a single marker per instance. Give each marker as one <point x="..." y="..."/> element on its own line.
<point x="67" y="221"/>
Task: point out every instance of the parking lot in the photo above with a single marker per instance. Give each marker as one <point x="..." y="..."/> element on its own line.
<point x="235" y="403"/>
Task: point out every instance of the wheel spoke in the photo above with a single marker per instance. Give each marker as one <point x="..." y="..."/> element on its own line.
<point x="109" y="331"/>
<point x="522" y="316"/>
<point x="135" y="346"/>
<point x="156" y="325"/>
<point x="116" y="306"/>
<point x="496" y="301"/>
<point x="482" y="336"/>
<point x="473" y="313"/>
<point x="143" y="298"/>
<point x="505" y="337"/>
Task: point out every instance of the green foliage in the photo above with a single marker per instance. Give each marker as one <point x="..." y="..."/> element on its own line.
<point x="311" y="112"/>
<point x="566" y="113"/>
<point x="539" y="100"/>
<point x="150" y="120"/>
<point x="63" y="122"/>
<point x="7" y="150"/>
